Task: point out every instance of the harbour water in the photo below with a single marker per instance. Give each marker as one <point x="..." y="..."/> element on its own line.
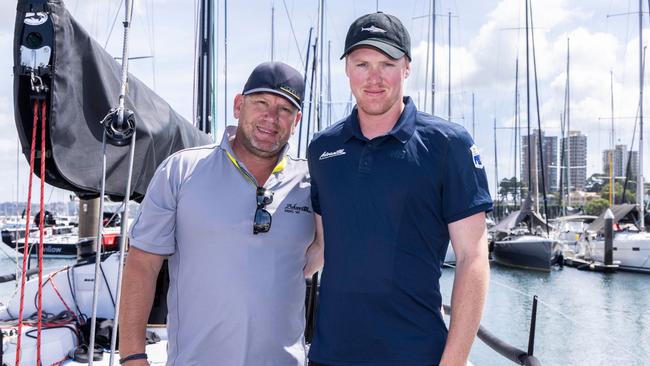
<point x="583" y="318"/>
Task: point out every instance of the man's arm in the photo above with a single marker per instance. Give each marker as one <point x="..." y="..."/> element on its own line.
<point x="469" y="240"/>
<point x="315" y="251"/>
<point x="138" y="290"/>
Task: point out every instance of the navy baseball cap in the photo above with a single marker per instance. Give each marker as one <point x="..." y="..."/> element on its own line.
<point x="381" y="31"/>
<point x="277" y="78"/>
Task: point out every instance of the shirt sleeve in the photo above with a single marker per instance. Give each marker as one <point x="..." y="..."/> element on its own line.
<point x="153" y="229"/>
<point x="315" y="203"/>
<point x="465" y="188"/>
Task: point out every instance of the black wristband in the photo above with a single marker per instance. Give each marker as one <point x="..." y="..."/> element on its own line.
<point x="135" y="356"/>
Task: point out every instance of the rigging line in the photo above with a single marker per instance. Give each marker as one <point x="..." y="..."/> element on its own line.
<point x="539" y="121"/>
<point x="225" y="63"/>
<point x="122" y="241"/>
<point x="194" y="63"/>
<point x="49" y="198"/>
<point x="32" y="157"/>
<point x="110" y="32"/>
<point x="149" y="21"/>
<point x="461" y="77"/>
<point x="426" y="64"/>
<point x="41" y="230"/>
<point x="293" y="33"/>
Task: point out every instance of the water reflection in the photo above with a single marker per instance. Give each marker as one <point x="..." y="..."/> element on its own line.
<point x="583" y="318"/>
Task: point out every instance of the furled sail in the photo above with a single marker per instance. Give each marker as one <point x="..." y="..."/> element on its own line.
<point x="81" y="84"/>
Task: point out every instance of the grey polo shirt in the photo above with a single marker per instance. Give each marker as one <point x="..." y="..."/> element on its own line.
<point x="234" y="298"/>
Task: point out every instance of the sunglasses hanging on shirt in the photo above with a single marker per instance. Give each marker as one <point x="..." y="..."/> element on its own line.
<point x="262" y="222"/>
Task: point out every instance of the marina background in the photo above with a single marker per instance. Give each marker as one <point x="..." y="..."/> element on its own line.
<point x="584" y="318"/>
<point x="486" y="39"/>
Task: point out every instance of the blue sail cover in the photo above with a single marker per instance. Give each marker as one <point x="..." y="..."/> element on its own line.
<point x="83" y="85"/>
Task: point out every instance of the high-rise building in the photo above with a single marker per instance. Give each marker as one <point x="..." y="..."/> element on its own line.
<point x="575" y="160"/>
<point x="620" y="157"/>
<point x="550" y="160"/>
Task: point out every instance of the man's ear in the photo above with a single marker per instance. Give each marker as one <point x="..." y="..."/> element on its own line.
<point x="236" y="106"/>
<point x="295" y="123"/>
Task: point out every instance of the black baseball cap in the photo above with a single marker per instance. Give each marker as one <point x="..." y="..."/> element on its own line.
<point x="381" y="31"/>
<point x="277" y="78"/>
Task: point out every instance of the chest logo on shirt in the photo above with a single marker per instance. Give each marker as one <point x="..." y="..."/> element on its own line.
<point x="295" y="209"/>
<point x="476" y="157"/>
<point x="327" y="155"/>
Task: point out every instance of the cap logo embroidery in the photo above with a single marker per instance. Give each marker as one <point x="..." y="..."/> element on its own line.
<point x="373" y="29"/>
<point x="290" y="91"/>
<point x="476" y="158"/>
<point x="327" y="155"/>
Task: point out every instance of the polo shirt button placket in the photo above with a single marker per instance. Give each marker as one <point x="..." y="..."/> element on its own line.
<point x="366" y="158"/>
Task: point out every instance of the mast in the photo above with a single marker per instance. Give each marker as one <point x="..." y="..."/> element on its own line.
<point x="449" y="76"/>
<point x="426" y="67"/>
<point x="562" y="202"/>
<point x="528" y="139"/>
<point x="329" y="83"/>
<point x="611" y="142"/>
<point x="568" y="121"/>
<point x="225" y="63"/>
<point x="516" y="130"/>
<point x="433" y="57"/>
<point x="639" y="184"/>
<point x="539" y="126"/>
<point x="319" y="106"/>
<point x="302" y="118"/>
<point x="496" y="164"/>
<point x="205" y="89"/>
<point x="564" y="161"/>
<point x="273" y="31"/>
<point x="473" y="119"/>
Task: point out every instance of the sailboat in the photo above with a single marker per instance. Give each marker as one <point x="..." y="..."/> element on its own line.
<point x="516" y="246"/>
<point x="631" y="245"/>
<point x="527" y="246"/>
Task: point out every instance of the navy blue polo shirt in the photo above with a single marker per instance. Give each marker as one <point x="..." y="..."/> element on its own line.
<point x="386" y="204"/>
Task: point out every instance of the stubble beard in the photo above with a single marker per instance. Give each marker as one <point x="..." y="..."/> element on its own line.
<point x="377" y="108"/>
<point x="268" y="151"/>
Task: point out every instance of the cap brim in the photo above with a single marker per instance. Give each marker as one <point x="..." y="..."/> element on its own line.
<point x="273" y="91"/>
<point x="388" y="49"/>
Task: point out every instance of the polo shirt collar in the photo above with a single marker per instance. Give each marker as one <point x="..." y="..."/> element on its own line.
<point x="402" y="131"/>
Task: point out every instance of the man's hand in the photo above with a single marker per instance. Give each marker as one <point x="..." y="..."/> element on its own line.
<point x="315" y="256"/>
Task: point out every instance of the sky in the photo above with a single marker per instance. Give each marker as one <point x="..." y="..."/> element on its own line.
<point x="487" y="38"/>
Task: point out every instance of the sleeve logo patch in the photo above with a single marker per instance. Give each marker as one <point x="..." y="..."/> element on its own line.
<point x="476" y="157"/>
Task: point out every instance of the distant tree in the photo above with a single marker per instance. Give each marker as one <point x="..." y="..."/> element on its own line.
<point x="596" y="206"/>
<point x="618" y="193"/>
<point x="509" y="188"/>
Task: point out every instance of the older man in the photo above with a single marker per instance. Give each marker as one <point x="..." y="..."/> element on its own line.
<point x="393" y="185"/>
<point x="236" y="222"/>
